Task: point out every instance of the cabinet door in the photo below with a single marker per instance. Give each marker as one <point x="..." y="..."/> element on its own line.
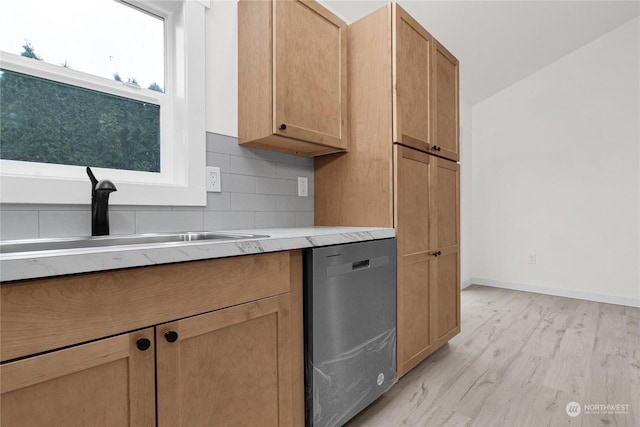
<point x="230" y="367"/>
<point x="445" y="281"/>
<point x="415" y="260"/>
<point x="445" y="104"/>
<point x="109" y="382"/>
<point x="310" y="57"/>
<point x="412" y="46"/>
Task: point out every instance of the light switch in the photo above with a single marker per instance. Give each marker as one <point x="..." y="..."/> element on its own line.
<point x="303" y="186"/>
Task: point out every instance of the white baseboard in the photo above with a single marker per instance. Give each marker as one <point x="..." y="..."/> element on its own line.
<point x="466" y="283"/>
<point x="568" y="293"/>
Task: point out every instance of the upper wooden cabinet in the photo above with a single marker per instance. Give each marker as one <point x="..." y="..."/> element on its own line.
<point x="292" y="80"/>
<point x="411" y="58"/>
<point x="406" y="79"/>
<point x="445" y="103"/>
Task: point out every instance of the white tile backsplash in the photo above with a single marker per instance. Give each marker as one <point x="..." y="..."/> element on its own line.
<point x="65" y="223"/>
<point x="228" y="220"/>
<point x="258" y="190"/>
<point x="154" y="222"/>
<point x="232" y="183"/>
<point x="275" y="219"/>
<point x="253" y="167"/>
<point x="253" y="202"/>
<point x="18" y="224"/>
<point x="277" y="186"/>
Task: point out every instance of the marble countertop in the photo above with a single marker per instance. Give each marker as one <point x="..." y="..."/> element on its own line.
<point x="32" y="265"/>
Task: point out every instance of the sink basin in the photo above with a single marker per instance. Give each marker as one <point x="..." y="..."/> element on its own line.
<point x="36" y="245"/>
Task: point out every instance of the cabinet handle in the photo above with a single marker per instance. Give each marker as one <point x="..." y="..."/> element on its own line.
<point x="439" y="253"/>
<point x="434" y="148"/>
<point x="283" y="126"/>
<point x="439" y="148"/>
<point x="143" y="344"/>
<point x="171" y="336"/>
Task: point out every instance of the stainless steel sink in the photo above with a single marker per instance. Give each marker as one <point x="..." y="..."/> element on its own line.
<point x="37" y="245"/>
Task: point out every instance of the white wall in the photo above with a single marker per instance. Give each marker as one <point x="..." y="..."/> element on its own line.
<point x="222" y="68"/>
<point x="465" y="194"/>
<point x="556" y="173"/>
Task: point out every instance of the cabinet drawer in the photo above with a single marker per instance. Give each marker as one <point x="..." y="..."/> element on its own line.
<point x="45" y="314"/>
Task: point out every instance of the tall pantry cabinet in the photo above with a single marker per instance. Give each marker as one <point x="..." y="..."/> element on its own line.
<point x="401" y="170"/>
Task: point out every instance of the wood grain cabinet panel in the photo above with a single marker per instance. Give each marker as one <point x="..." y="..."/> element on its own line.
<point x="411" y="81"/>
<point x="446" y="109"/>
<point x="109" y="382"/>
<point x="292" y="77"/>
<point x="229" y="367"/>
<point x="412" y="218"/>
<point x="445" y="219"/>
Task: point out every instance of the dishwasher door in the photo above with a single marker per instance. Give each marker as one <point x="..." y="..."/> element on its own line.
<point x="350" y="328"/>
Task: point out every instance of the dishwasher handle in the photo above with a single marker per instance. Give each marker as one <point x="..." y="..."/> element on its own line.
<point x="360" y="265"/>
<point x="356" y="266"/>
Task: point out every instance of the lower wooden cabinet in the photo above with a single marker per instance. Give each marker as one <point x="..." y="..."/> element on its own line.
<point x="426" y="217"/>
<point x="109" y="382"/>
<point x="413" y="172"/>
<point x="226" y="368"/>
<point x="233" y="366"/>
<point x="445" y="275"/>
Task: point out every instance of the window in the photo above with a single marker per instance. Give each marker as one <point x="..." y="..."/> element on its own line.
<point x="111" y="97"/>
<point x="109" y="131"/>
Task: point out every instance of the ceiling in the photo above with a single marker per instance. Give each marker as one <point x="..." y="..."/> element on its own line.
<point x="500" y="42"/>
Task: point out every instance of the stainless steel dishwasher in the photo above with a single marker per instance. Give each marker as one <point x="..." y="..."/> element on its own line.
<point x="350" y="328"/>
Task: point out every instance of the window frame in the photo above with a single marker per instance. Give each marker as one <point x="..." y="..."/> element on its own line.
<point x="182" y="106"/>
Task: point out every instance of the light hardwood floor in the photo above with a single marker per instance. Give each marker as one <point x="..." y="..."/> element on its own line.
<point x="518" y="361"/>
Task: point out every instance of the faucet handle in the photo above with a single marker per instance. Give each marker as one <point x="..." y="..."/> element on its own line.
<point x="92" y="177"/>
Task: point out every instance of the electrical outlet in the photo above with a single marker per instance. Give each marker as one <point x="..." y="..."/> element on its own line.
<point x="213" y="179"/>
<point x="303" y="186"/>
<point x="532" y="258"/>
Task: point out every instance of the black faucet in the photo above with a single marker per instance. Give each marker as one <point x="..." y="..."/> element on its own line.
<point x="100" y="191"/>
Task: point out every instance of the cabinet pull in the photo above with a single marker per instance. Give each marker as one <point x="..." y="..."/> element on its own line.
<point x="438" y="253"/>
<point x="171" y="336"/>
<point x="283" y="127"/>
<point x="143" y="344"/>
